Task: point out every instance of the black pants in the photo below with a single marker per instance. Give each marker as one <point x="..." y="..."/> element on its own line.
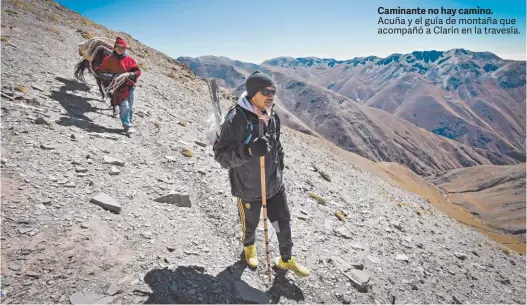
<point x="279" y="217"/>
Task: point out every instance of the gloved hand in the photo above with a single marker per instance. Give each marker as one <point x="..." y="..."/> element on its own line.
<point x="260" y="146"/>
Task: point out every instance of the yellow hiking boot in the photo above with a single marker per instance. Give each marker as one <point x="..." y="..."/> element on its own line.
<point x="292" y="265"/>
<point x="250" y="256"/>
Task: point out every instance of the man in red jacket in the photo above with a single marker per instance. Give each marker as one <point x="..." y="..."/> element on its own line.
<point x="117" y="63"/>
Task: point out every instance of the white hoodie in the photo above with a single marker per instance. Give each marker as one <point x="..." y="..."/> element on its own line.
<point x="246" y="104"/>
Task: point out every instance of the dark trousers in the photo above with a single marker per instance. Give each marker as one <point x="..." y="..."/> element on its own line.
<point x="279" y="217"/>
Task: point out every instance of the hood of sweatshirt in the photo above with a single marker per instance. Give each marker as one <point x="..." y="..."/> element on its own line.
<point x="247" y="105"/>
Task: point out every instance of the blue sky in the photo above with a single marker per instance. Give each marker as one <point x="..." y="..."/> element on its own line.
<point x="256" y="30"/>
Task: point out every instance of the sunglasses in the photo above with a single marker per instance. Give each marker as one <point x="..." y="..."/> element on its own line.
<point x="268" y="92"/>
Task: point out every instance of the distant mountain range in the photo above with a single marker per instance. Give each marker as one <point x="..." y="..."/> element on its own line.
<point x="471" y="103"/>
<point x="229" y="73"/>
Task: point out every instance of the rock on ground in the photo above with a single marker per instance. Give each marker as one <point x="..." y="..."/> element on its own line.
<point x="107" y="202"/>
<point x="181" y="200"/>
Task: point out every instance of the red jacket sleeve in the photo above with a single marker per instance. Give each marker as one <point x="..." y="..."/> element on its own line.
<point x="133" y="67"/>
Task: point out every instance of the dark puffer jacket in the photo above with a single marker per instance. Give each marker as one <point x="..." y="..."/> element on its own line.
<point x="232" y="151"/>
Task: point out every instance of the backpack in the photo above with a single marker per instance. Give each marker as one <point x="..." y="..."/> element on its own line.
<point x="215" y="131"/>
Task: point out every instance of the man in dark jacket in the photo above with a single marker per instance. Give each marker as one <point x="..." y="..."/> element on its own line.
<point x="117" y="63"/>
<point x="239" y="148"/>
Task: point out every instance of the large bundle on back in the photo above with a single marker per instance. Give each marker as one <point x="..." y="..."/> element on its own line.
<point x="93" y="51"/>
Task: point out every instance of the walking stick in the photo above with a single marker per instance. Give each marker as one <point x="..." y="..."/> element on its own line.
<point x="264" y="204"/>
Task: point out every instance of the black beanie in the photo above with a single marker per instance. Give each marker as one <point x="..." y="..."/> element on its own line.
<point x="257" y="81"/>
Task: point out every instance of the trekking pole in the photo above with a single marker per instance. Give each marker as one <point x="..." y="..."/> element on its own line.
<point x="264" y="204"/>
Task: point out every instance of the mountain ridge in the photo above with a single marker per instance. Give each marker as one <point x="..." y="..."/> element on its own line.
<point x="429" y="90"/>
<point x="371" y="121"/>
<point x="425" y="55"/>
<point x="495" y="157"/>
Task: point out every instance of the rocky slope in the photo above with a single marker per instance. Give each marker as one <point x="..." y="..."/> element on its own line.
<point x="61" y="148"/>
<point x="475" y="98"/>
<point x="496" y="194"/>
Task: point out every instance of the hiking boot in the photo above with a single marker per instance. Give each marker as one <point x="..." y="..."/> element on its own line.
<point x="130" y="130"/>
<point x="292" y="265"/>
<point x="250" y="256"/>
<point x="115" y="113"/>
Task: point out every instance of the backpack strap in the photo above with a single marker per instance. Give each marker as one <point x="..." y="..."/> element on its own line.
<point x="249" y="127"/>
